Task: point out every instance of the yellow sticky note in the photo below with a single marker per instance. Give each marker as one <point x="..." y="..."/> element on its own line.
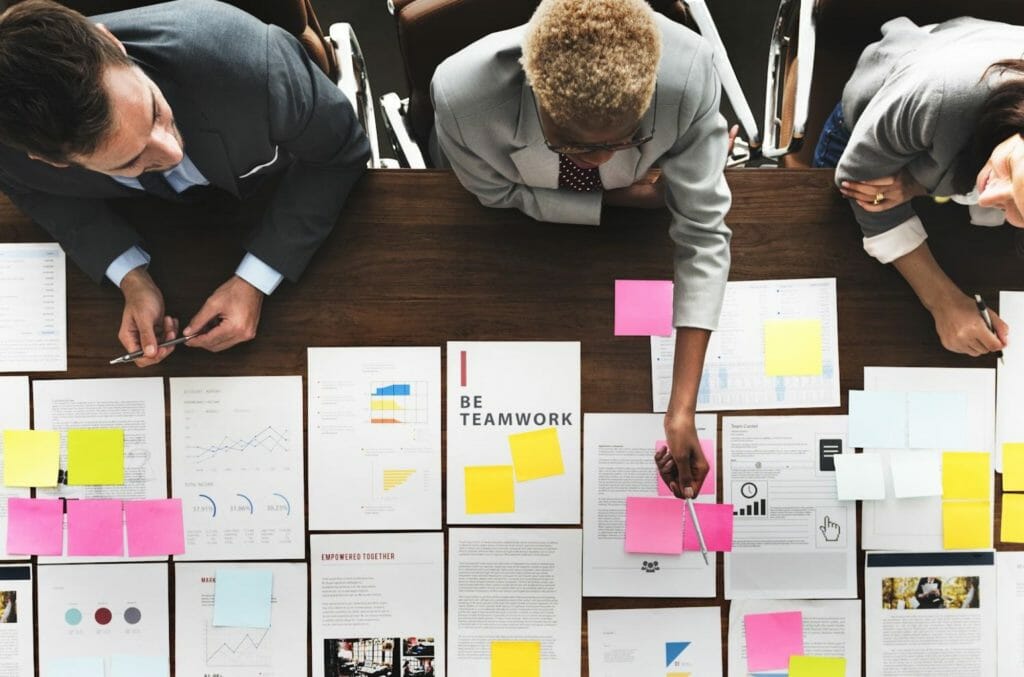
<point x="966" y="525"/>
<point x="95" y="456"/>
<point x="1013" y="466"/>
<point x="1011" y="529"/>
<point x="536" y="454"/>
<point x="792" y="347"/>
<point x="489" y="489"/>
<point x="31" y="458"/>
<point x="515" y="659"/>
<point x="966" y="474"/>
<point x="817" y="666"/>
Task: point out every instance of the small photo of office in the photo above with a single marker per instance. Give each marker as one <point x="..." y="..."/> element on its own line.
<point x="363" y="657"/>
<point x="8" y="606"/>
<point x="931" y="592"/>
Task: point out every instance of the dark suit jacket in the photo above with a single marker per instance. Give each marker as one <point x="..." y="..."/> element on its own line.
<point x="244" y="95"/>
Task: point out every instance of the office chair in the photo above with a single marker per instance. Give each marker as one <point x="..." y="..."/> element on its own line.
<point x="815" y="48"/>
<point x="338" y="54"/>
<point x="429" y="31"/>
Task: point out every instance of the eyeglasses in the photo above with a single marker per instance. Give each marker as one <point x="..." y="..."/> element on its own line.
<point x="583" y="148"/>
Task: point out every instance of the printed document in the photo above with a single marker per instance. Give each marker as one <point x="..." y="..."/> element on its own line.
<point x="831" y="628"/>
<point x="618" y="462"/>
<point x="374" y="438"/>
<point x="514" y="585"/>
<point x="655" y="642"/>
<point x="201" y="648"/>
<point x="33" y="307"/>
<point x="1010" y="573"/>
<point x="735" y="374"/>
<point x="14" y="415"/>
<point x="916" y="523"/>
<point x="237" y="466"/>
<point x="792" y="538"/>
<point x="17" y="656"/>
<point x="931" y="614"/>
<point x="378" y="604"/>
<point x="1010" y="380"/>
<point x="513" y="435"/>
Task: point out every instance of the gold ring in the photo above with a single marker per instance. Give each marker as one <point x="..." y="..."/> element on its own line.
<point x="878" y="198"/>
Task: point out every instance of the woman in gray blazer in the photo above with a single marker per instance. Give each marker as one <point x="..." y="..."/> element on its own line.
<point x="572" y="112"/>
<point x="932" y="110"/>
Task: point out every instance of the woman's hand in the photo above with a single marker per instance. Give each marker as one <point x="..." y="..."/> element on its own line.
<point x="962" y="330"/>
<point x="682" y="465"/>
<point x="878" y="195"/>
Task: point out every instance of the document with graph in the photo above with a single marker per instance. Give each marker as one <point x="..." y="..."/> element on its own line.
<point x="739" y="370"/>
<point x="792" y="537"/>
<point x="377" y="605"/>
<point x="374" y="438"/>
<point x="103" y="619"/>
<point x="202" y="648"/>
<point x="14" y="415"/>
<point x="237" y="466"/>
<point x="513" y="432"/>
<point x="669" y="642"/>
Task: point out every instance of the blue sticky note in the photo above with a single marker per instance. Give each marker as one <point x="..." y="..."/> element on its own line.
<point x="937" y="420"/>
<point x="241" y="598"/>
<point x="82" y="666"/>
<point x="878" y="419"/>
<point x="124" y="665"/>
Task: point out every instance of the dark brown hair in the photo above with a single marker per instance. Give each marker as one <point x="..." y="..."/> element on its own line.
<point x="1002" y="116"/>
<point x="52" y="100"/>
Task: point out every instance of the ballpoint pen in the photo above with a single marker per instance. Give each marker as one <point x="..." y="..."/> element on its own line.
<point x="696" y="527"/>
<point x="131" y="357"/>
<point x="987" y="317"/>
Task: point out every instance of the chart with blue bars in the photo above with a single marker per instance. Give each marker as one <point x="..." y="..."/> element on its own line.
<point x="402" y="403"/>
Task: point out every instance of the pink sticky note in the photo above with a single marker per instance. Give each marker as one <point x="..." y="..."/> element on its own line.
<point x="643" y="307"/>
<point x="715" y="523"/>
<point x="772" y="639"/>
<point x="706" y="489"/>
<point x="35" y="526"/>
<point x="95" y="527"/>
<point x="154" y="527"/>
<point x="654" y="525"/>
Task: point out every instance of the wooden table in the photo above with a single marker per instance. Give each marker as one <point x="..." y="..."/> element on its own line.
<point x="415" y="260"/>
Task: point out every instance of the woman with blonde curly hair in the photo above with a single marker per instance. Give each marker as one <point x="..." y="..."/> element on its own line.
<point x="572" y="112"/>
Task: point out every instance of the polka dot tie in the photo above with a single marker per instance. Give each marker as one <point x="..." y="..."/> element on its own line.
<point x="573" y="177"/>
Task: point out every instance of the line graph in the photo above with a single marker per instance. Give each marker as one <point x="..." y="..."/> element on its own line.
<point x="238" y="647"/>
<point x="268" y="440"/>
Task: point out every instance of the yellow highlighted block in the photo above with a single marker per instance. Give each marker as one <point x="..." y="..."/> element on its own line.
<point x="792" y="347"/>
<point x="966" y="525"/>
<point x="385" y="405"/>
<point x="396" y="478"/>
<point x="536" y="454"/>
<point x="966" y="475"/>
<point x="817" y="666"/>
<point x="1013" y="466"/>
<point x="1011" y="528"/>
<point x="96" y="457"/>
<point x="515" y="659"/>
<point x="679" y="674"/>
<point x="489" y="489"/>
<point x="31" y="458"/>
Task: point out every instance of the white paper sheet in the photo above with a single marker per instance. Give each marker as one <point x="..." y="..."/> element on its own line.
<point x="514" y="585"/>
<point x="916" y="473"/>
<point x="17" y="655"/>
<point x="1010" y="379"/>
<point x="237" y="466"/>
<point x="374" y="438"/>
<point x="793" y="538"/>
<point x="734" y="373"/>
<point x="14" y="415"/>
<point x="910" y="631"/>
<point x="513" y="387"/>
<point x="202" y="649"/>
<point x="33" y="307"/>
<point x="1010" y="573"/>
<point x="916" y="523"/>
<point x="859" y="477"/>
<point x="135" y="405"/>
<point x="831" y="628"/>
<point x="618" y="461"/>
<point x="655" y="642"/>
<point x="102" y="610"/>
<point x="378" y="599"/>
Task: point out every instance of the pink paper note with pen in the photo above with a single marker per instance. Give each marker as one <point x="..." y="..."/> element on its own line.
<point x="706" y="489"/>
<point x="716" y="520"/>
<point x="643" y="307"/>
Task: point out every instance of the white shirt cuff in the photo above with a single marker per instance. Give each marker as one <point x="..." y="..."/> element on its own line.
<point x="254" y="271"/>
<point x="125" y="263"/>
<point x="896" y="242"/>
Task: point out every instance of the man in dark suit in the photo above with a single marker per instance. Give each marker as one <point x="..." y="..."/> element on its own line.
<point x="173" y="99"/>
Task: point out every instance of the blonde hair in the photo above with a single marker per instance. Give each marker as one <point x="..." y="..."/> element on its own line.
<point x="592" y="62"/>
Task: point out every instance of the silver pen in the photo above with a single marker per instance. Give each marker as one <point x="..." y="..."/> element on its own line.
<point x="700" y="534"/>
<point x="131" y="357"/>
<point x="986" y="317"/>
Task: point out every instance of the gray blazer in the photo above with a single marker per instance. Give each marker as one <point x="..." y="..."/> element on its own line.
<point x="913" y="101"/>
<point x="487" y="127"/>
<point x="248" y="101"/>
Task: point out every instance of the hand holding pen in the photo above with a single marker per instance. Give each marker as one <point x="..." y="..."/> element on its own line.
<point x="986" y="316"/>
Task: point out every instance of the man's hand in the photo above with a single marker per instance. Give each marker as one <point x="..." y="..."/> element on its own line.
<point x="962" y="330"/>
<point x="646" y="193"/>
<point x="144" y="318"/>
<point x="878" y="195"/>
<point x="682" y="466"/>
<point x="235" y="310"/>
